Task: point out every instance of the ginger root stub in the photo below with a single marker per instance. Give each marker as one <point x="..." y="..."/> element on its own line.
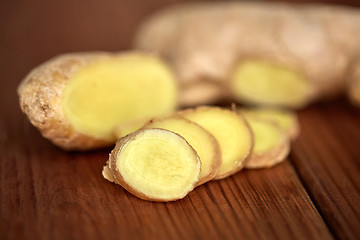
<point x="154" y="164"/>
<point x="76" y="100"/>
<point x="255" y="52"/>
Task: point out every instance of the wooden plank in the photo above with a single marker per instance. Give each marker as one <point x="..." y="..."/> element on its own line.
<point x="327" y="159"/>
<point x="49" y="194"/>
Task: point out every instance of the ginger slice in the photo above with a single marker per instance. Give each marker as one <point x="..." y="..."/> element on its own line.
<point x="200" y="139"/>
<point x="231" y="131"/>
<point x="271" y="144"/>
<point x="155" y="164"/>
<point x="287" y="121"/>
<point x="267" y="84"/>
<point x="118" y="90"/>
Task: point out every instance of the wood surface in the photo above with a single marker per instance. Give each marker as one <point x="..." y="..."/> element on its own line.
<point x="46" y="193"/>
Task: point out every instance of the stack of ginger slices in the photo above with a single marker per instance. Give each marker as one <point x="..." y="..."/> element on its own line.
<point x="168" y="157"/>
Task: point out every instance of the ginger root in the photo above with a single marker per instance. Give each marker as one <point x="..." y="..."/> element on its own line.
<point x="263" y="83"/>
<point x="76" y="100"/>
<point x="231" y="131"/>
<point x="268" y="54"/>
<point x="271" y="143"/>
<point x="224" y="142"/>
<point x="287" y="121"/>
<point x="154" y="164"/>
<point x="200" y="139"/>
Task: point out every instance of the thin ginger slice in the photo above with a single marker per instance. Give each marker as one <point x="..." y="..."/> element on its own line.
<point x="231" y="131"/>
<point x="118" y="91"/>
<point x="287" y="121"/>
<point x="267" y="84"/>
<point x="271" y="146"/>
<point x="154" y="164"/>
<point x="200" y="139"/>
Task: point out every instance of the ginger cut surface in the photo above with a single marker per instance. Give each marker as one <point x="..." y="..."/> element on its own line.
<point x="76" y="100"/>
<point x="271" y="143"/>
<point x="200" y="139"/>
<point x="266" y="84"/>
<point x="286" y="120"/>
<point x="231" y="131"/>
<point x="154" y="164"/>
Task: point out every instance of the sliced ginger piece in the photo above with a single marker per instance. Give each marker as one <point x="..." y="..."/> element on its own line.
<point x="118" y="90"/>
<point x="200" y="139"/>
<point x="263" y="83"/>
<point x="271" y="144"/>
<point x="287" y="121"/>
<point x="155" y="164"/>
<point x="231" y="131"/>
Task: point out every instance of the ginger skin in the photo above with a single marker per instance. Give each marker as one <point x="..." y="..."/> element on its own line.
<point x="260" y="53"/>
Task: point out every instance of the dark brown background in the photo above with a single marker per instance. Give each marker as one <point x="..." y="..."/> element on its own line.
<point x="46" y="193"/>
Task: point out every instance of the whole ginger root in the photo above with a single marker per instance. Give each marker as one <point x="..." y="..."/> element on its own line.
<point x="268" y="54"/>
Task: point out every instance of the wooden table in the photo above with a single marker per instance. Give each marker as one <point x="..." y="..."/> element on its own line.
<point x="46" y="193"/>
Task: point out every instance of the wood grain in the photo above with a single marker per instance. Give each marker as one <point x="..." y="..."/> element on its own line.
<point x="49" y="194"/>
<point x="46" y="193"/>
<point x="327" y="160"/>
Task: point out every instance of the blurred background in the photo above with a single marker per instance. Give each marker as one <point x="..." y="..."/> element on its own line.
<point x="32" y="31"/>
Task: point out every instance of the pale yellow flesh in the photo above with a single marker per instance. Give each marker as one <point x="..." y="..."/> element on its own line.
<point x="267" y="136"/>
<point x="195" y="135"/>
<point x="159" y="164"/>
<point x="231" y="132"/>
<point x="116" y="91"/>
<point x="126" y="128"/>
<point x="263" y="83"/>
<point x="285" y="120"/>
